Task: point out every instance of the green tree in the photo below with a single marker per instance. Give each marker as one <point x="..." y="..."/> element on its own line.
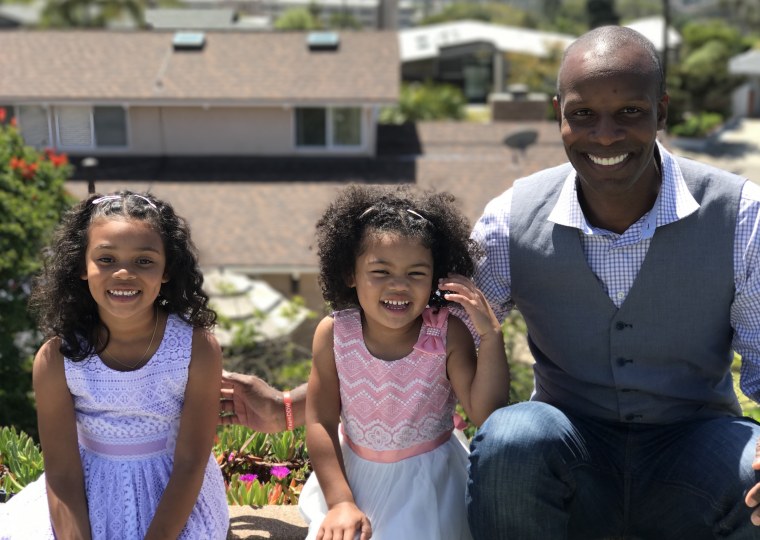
<point x="298" y="19"/>
<point x="92" y="13"/>
<point x="490" y="12"/>
<point x="425" y="101"/>
<point x="344" y="21"/>
<point x="32" y="199"/>
<point x="700" y="83"/>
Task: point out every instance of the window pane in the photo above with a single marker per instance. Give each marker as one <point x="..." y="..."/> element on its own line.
<point x="311" y="126"/>
<point x="110" y="126"/>
<point x="33" y="121"/>
<point x="347" y="124"/>
<point x="74" y="128"/>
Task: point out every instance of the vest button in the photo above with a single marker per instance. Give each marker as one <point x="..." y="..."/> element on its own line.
<point x="630" y="417"/>
<point x="623" y="361"/>
<point x="619" y="325"/>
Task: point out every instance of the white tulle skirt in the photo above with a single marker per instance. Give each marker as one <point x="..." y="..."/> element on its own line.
<point x="419" y="498"/>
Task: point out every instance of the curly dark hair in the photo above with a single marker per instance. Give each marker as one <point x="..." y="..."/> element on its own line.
<point x="431" y="217"/>
<point x="61" y="300"/>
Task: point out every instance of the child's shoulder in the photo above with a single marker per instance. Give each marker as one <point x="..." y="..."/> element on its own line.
<point x="50" y="351"/>
<point x="48" y="362"/>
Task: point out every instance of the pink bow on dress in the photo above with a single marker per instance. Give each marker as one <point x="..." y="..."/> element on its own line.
<point x="431" y="340"/>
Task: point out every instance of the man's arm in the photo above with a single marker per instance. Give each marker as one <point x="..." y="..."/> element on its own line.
<point x="745" y="311"/>
<point x="251" y="402"/>
<point x="492" y="274"/>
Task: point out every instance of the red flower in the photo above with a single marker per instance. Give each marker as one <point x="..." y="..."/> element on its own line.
<point x="13" y="122"/>
<point x="30" y="171"/>
<point x="17" y="163"/>
<point x="3" y="115"/>
<point x="58" y="160"/>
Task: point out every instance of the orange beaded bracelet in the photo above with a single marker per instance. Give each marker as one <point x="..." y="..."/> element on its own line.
<point x="288" y="401"/>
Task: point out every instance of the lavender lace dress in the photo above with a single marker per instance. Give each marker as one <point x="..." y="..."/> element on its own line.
<point x="127" y="425"/>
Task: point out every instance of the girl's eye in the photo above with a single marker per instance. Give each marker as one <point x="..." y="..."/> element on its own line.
<point x="144" y="261"/>
<point x="379" y="272"/>
<point x="105" y="260"/>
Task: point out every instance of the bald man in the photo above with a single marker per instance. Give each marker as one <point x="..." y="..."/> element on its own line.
<point x="638" y="274"/>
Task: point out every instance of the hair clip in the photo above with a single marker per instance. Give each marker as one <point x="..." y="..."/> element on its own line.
<point x="367" y="212"/>
<point x="417" y="215"/>
<point x="106" y="198"/>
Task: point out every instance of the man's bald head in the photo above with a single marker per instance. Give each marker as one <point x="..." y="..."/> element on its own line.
<point x="603" y="48"/>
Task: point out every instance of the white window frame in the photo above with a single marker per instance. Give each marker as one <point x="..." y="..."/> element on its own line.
<point x="92" y="146"/>
<point x="330" y="146"/>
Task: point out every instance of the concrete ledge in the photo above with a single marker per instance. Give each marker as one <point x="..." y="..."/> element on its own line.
<point x="275" y="522"/>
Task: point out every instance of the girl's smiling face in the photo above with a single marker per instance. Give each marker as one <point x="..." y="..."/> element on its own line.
<point x="125" y="266"/>
<point x="393" y="277"/>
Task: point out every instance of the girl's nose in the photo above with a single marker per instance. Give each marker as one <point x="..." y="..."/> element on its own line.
<point x="123" y="273"/>
<point x="399" y="283"/>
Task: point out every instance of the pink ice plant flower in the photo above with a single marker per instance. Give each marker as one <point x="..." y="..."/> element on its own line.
<point x="279" y="472"/>
<point x="248" y="478"/>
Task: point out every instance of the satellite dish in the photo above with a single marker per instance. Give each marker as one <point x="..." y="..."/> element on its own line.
<point x="520" y="141"/>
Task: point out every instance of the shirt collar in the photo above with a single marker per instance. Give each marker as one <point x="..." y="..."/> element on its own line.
<point x="674" y="202"/>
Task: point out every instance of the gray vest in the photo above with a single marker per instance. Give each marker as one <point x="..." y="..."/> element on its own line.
<point x="665" y="355"/>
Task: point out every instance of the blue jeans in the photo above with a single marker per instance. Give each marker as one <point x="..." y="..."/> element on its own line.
<point x="539" y="473"/>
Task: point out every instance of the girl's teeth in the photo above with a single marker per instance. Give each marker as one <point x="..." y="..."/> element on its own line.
<point x="607" y="161"/>
<point x="123" y="293"/>
<point x="395" y="302"/>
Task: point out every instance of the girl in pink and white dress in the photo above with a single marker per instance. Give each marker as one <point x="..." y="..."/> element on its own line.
<point x="128" y="384"/>
<point x="387" y="369"/>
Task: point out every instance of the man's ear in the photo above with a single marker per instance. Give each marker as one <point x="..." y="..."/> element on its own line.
<point x="557" y="109"/>
<point x="662" y="111"/>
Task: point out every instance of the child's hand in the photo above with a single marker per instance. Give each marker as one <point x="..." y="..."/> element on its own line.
<point x="345" y="521"/>
<point x="463" y="291"/>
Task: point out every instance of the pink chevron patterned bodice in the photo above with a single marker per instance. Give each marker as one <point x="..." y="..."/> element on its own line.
<point x="396" y="409"/>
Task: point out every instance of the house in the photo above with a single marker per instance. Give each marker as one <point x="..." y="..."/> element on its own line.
<point x="746" y="98"/>
<point x="225" y="93"/>
<point x="261" y="223"/>
<point x="471" y="54"/>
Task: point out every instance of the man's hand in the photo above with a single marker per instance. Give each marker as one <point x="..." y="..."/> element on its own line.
<point x="251" y="402"/>
<point x="753" y="495"/>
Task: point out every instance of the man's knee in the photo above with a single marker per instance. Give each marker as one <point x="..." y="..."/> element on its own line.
<point x="515" y="437"/>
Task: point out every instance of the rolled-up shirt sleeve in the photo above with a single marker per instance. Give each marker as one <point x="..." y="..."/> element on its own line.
<point x="492" y="275"/>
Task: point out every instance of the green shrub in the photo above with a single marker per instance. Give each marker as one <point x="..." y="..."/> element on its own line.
<point x="32" y="200"/>
<point x="20" y="461"/>
<point x="261" y="468"/>
<point x="425" y="101"/>
<point x="697" y="125"/>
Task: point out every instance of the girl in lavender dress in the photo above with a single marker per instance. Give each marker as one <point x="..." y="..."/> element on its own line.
<point x="127" y="385"/>
<point x="388" y="369"/>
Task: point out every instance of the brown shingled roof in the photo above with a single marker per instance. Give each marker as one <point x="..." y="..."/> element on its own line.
<point x="233" y="67"/>
<point x="266" y="221"/>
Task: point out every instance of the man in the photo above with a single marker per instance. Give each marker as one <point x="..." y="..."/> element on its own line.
<point x="637" y="273"/>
